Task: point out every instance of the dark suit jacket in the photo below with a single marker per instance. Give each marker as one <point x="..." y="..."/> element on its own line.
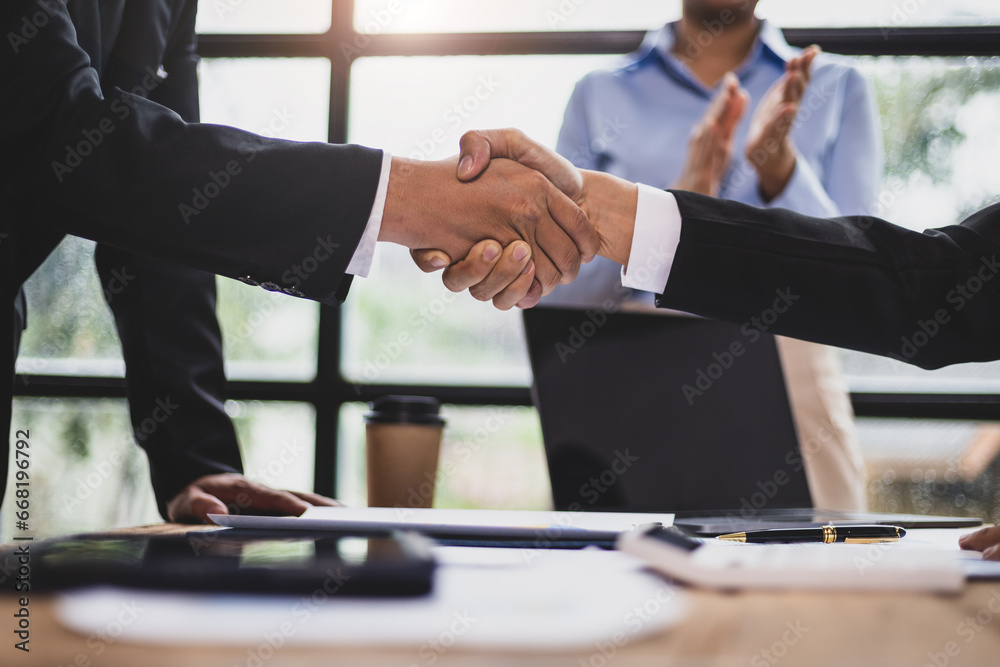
<point x="110" y="165"/>
<point x="100" y="110"/>
<point x="930" y="298"/>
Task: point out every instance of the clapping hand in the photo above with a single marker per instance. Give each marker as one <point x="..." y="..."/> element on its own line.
<point x="710" y="149"/>
<point x="769" y="143"/>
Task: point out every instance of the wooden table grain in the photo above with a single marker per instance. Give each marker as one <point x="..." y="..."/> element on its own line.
<point x="759" y="629"/>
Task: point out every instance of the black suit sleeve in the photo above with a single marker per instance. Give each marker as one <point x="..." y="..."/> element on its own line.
<point x="126" y="171"/>
<point x="930" y="298"/>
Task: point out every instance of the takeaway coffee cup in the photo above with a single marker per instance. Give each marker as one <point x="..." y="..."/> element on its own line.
<point x="403" y="440"/>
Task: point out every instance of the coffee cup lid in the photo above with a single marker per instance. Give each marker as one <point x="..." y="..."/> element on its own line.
<point x="404" y="410"/>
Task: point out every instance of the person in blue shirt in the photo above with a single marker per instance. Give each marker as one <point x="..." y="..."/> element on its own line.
<point x="719" y="103"/>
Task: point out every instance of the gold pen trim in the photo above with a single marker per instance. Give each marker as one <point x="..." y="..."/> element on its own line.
<point x="734" y="537"/>
<point x="829" y="534"/>
<point x="869" y="540"/>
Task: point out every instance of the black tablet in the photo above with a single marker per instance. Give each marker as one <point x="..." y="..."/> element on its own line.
<point x="235" y="561"/>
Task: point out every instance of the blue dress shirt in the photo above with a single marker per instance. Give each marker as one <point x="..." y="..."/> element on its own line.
<point x="635" y="122"/>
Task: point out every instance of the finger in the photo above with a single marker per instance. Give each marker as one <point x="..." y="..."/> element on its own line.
<point x="271" y="501"/>
<point x="981" y="539"/>
<point x="575" y="223"/>
<point x="192" y="505"/>
<point x="475" y="152"/>
<point x="808" y="56"/>
<point x="558" y="245"/>
<point x="481" y="145"/>
<point x="254" y="498"/>
<point x="316" y="499"/>
<point x="517" y="292"/>
<point x="793" y="88"/>
<point x="734" y="112"/>
<point x="782" y="125"/>
<point x="534" y="294"/>
<point x="993" y="553"/>
<point x="506" y="270"/>
<point x="429" y="260"/>
<point x="717" y="107"/>
<point x="472" y="270"/>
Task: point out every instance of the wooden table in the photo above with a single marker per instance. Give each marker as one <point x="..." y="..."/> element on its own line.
<point x="757" y="629"/>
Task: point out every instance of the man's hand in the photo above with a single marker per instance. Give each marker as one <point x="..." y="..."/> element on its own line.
<point x="769" y="143"/>
<point x="986" y="540"/>
<point x="711" y="147"/>
<point x="231" y="493"/>
<point x="609" y="201"/>
<point x="427" y="207"/>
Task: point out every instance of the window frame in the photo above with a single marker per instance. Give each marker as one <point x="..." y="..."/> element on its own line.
<point x="329" y="391"/>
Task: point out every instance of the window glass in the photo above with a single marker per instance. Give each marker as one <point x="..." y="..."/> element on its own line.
<point x="931" y="467"/>
<point x="491" y="458"/>
<point x="373" y="17"/>
<point x="278" y="442"/>
<point x="87" y="473"/>
<point x="882" y="13"/>
<point x="940" y="143"/>
<point x="263" y="16"/>
<point x="70" y="329"/>
<point x="401" y="325"/>
<point x="267" y="335"/>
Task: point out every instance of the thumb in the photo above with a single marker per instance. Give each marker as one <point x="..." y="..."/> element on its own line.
<point x="430" y="260"/>
<point x="474" y="155"/>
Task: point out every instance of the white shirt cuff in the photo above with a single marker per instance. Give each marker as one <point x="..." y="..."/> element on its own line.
<point x="364" y="255"/>
<point x="654" y="241"/>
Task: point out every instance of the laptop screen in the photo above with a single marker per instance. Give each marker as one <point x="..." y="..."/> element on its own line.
<point x="650" y="412"/>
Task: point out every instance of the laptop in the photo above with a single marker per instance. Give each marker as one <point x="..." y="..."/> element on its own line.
<point x="646" y="412"/>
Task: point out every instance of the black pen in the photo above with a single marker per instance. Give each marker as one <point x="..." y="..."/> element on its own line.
<point x="825" y="534"/>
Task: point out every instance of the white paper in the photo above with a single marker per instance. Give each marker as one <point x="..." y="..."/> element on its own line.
<point x="535" y="525"/>
<point x="552" y="600"/>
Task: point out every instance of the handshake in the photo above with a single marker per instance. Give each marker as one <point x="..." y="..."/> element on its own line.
<point x="518" y="220"/>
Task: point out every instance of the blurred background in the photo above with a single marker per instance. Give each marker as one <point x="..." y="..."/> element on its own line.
<point x="399" y="76"/>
